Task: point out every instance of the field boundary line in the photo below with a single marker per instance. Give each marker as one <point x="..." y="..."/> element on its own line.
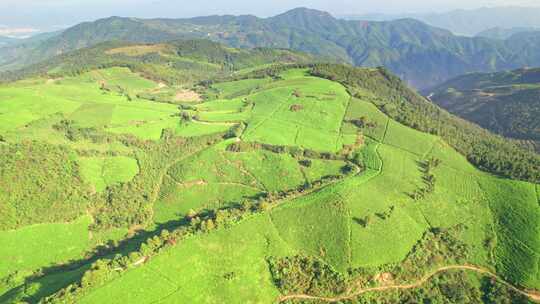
<point x="159" y="273"/>
<point x="160" y="300"/>
<point x="291" y="247"/>
<point x="245" y="171"/>
<point x="158" y="186"/>
<point x="520" y="242"/>
<point x="343" y="120"/>
<point x="269" y="116"/>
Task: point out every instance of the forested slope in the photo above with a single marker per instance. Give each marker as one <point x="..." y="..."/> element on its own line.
<point x="507" y="103"/>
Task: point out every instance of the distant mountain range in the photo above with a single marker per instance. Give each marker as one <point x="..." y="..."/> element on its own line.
<point x="506" y="33"/>
<point x="507" y="102"/>
<point x="420" y="54"/>
<point x="5" y="41"/>
<point x="470" y="22"/>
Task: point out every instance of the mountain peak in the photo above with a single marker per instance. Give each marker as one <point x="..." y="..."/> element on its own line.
<point x="306" y="19"/>
<point x="304" y="12"/>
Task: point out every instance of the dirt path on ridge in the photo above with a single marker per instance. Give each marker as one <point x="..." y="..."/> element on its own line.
<point x="532" y="295"/>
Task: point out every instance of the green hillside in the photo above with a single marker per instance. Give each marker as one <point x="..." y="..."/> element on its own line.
<point x="190" y="172"/>
<point x="177" y="62"/>
<point x="507" y="103"/>
<point x="422" y="55"/>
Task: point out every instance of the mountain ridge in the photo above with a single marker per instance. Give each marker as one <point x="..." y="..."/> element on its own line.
<point x="421" y="54"/>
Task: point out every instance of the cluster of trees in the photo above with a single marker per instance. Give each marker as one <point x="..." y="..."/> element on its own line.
<point x="485" y="150"/>
<point x="115" y="88"/>
<point x="129" y="204"/>
<point x="236" y="131"/>
<point x="76" y="133"/>
<point x="368" y="219"/>
<point x="215" y="53"/>
<point x="451" y="287"/>
<point x="274" y="71"/>
<point x="428" y="177"/>
<point x="439" y="247"/>
<point x="193" y="223"/>
<point x="493" y="292"/>
<point x="306" y="275"/>
<point x="363" y="122"/>
<point x="39" y="183"/>
<point x="296" y="152"/>
<point x="444" y="288"/>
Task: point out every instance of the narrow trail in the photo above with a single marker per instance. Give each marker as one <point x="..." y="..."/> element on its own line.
<point x="532" y="295"/>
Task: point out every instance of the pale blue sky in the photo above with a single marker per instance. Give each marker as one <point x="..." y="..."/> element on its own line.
<point x="50" y="13"/>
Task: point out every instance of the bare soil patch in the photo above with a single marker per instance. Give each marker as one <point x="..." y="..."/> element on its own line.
<point x="187" y="95"/>
<point x="136" y="50"/>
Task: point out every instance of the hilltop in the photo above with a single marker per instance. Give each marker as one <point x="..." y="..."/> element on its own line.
<point x="507" y="103"/>
<point x="259" y="177"/>
<point x="422" y="55"/>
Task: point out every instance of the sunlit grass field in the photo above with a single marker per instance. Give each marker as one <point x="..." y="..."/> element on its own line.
<point x="363" y="221"/>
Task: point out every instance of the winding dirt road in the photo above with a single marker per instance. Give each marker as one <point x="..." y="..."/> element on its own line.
<point x="532" y="295"/>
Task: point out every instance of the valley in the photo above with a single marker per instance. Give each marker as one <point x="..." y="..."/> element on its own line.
<point x="506" y="103"/>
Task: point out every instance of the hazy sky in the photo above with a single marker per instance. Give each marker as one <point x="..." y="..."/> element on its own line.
<point x="46" y="14"/>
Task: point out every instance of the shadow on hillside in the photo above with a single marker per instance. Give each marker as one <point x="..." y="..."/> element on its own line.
<point x="54" y="278"/>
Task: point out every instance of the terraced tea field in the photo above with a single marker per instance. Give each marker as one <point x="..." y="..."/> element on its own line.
<point x="194" y="202"/>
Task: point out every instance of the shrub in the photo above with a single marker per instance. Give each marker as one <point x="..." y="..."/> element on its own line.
<point x="305" y="162"/>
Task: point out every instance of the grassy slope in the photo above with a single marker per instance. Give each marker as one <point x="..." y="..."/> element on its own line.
<point x="180" y="276"/>
<point x="102" y="172"/>
<point x="36" y="246"/>
<point x="217" y="178"/>
<point x="30" y="109"/>
<point x="229" y="265"/>
<point x="325" y="224"/>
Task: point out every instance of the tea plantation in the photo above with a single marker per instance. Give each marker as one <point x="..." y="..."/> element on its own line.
<point x="269" y="183"/>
